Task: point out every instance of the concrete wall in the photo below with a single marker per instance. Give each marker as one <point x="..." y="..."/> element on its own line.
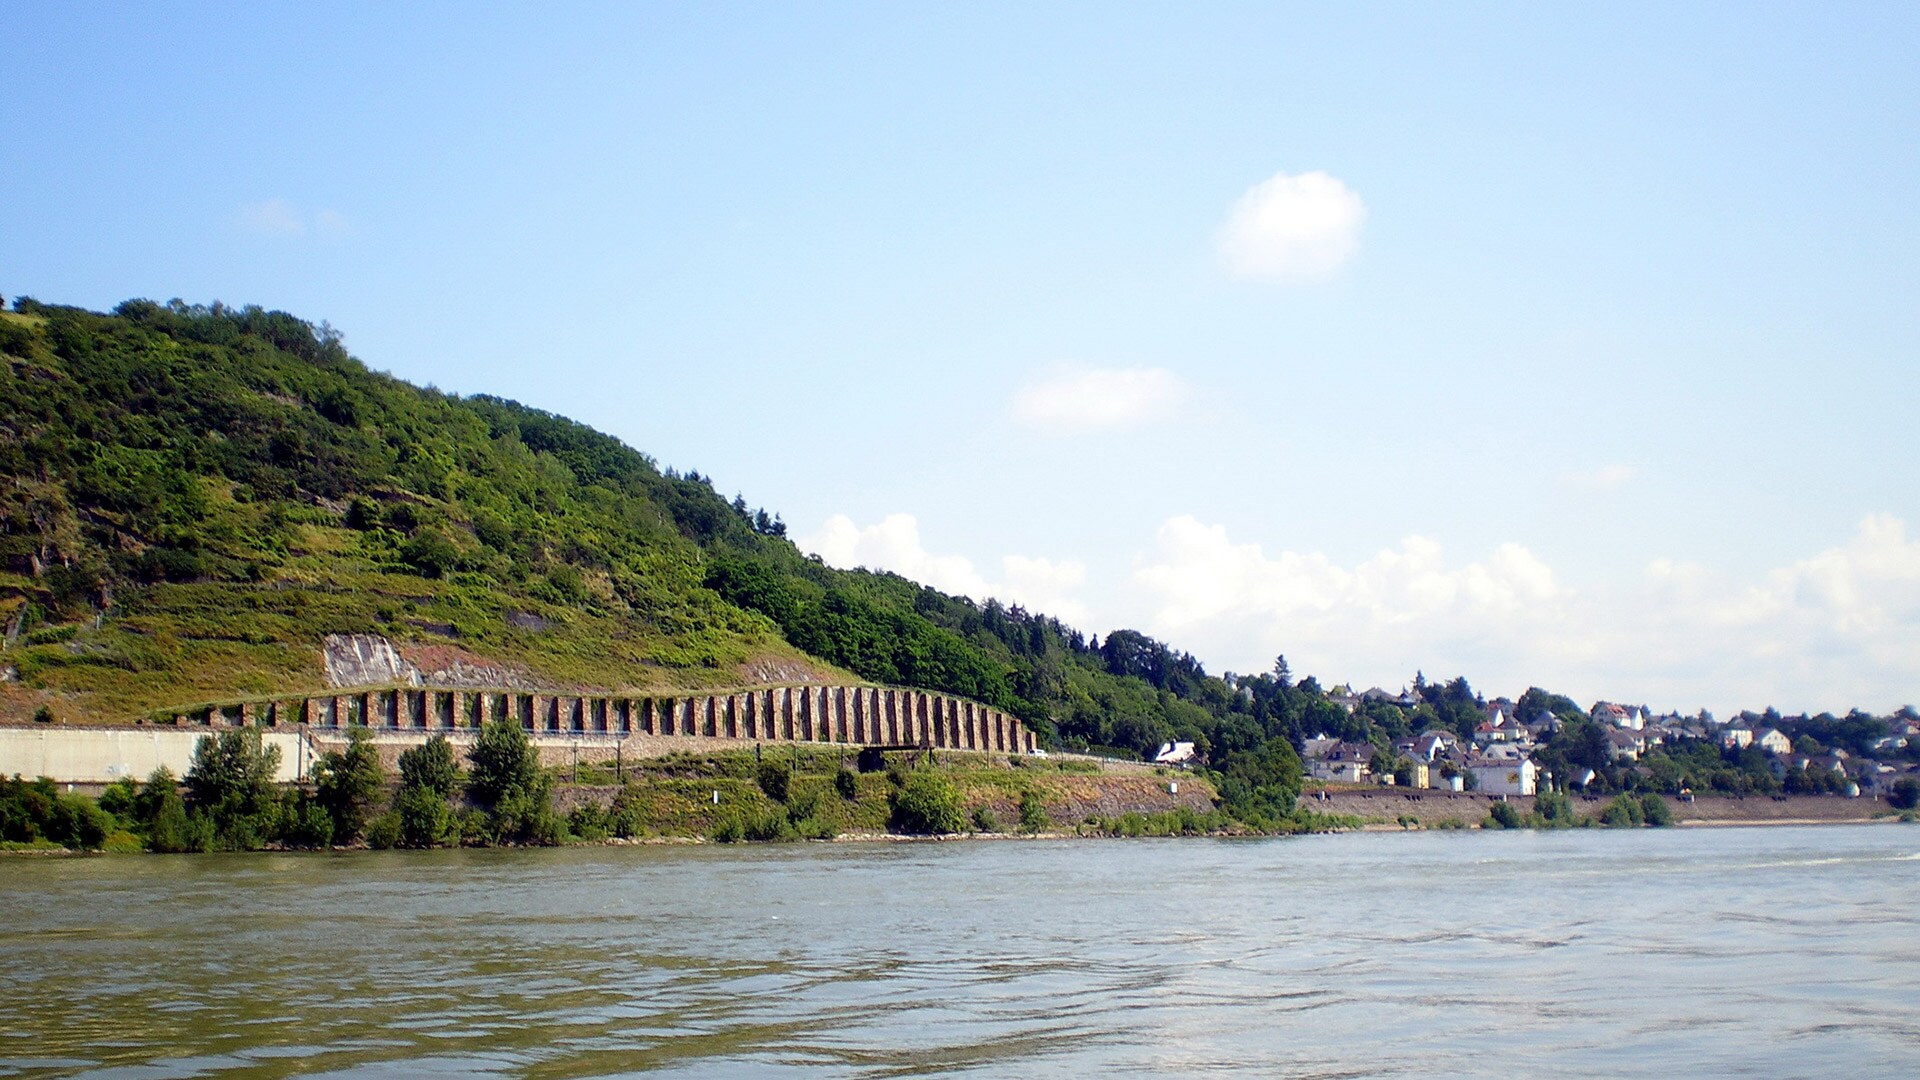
<point x="565" y="726"/>
<point x="103" y="755"/>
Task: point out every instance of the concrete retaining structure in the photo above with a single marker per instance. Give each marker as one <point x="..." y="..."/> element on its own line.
<point x="564" y="726"/>
<point x="103" y="755"/>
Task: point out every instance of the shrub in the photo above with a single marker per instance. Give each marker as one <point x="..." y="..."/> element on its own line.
<point x="627" y="818"/>
<point x="1623" y="812"/>
<point x="78" y="822"/>
<point x="470" y="827"/>
<point x="1554" y="809"/>
<point x="230" y="787"/>
<point x="984" y="821"/>
<point x="769" y="825"/>
<point x="509" y="785"/>
<point x="363" y="513"/>
<point x="122" y="843"/>
<point x="1904" y="794"/>
<point x="431" y="765"/>
<point x="588" y="822"/>
<point x="384" y="831"/>
<point x="428" y="779"/>
<point x="348" y="784"/>
<point x="774" y="779"/>
<point x="802" y="805"/>
<point x="730" y="830"/>
<point x="167" y="829"/>
<point x="426" y="819"/>
<point x="927" y="804"/>
<point x="121" y="799"/>
<point x="1503" y="815"/>
<point x="1033" y="812"/>
<point x="1655" y="810"/>
<point x="307" y="823"/>
<point x="430" y="553"/>
<point x="814" y="828"/>
<point x="846" y="784"/>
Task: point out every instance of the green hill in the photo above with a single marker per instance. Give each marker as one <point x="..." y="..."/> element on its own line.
<point x="192" y="498"/>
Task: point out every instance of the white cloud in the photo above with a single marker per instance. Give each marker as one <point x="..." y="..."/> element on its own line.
<point x="1605" y="478"/>
<point x="1093" y="399"/>
<point x="893" y="543"/>
<point x="1839" y="629"/>
<point x="1290" y="228"/>
<point x="280" y="218"/>
<point x="275" y="217"/>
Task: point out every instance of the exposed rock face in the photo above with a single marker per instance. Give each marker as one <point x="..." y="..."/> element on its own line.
<point x="370" y="660"/>
<point x="777" y="671"/>
<point x="365" y="660"/>
<point x="452" y="666"/>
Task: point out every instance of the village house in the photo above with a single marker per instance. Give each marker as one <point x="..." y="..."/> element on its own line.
<point x="1402" y="700"/>
<point x="1625" y="744"/>
<point x="1877" y="778"/>
<point x="1631" y="717"/>
<point x="1773" y="742"/>
<point x="1737" y="734"/>
<point x="1495" y="728"/>
<point x="1343" y="762"/>
<point x="1426" y="747"/>
<point x="1494" y="777"/>
<point x="1315" y="748"/>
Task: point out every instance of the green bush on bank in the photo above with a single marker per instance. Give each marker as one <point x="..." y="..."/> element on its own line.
<point x="37" y="814"/>
<point x="1503" y="815"/>
<point x="927" y="803"/>
<point x="510" y="788"/>
<point x="1033" y="812"/>
<point x="1180" y="821"/>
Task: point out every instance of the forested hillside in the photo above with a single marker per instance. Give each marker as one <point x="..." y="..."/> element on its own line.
<point x="192" y="497"/>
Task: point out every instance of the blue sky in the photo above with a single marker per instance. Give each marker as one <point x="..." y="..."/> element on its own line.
<point x="1539" y="343"/>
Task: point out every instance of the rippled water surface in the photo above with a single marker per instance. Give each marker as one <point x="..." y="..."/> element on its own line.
<point x="1762" y="952"/>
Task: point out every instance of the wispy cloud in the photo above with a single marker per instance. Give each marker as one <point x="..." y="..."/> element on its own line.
<point x="1605" y="478"/>
<point x="1292" y="228"/>
<point x="279" y="218"/>
<point x="894" y="544"/>
<point x="1094" y="399"/>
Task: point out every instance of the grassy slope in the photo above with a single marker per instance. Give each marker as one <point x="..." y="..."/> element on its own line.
<point x="675" y="792"/>
<point x="219" y="568"/>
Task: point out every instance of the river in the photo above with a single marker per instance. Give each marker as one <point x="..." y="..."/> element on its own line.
<point x="1790" y="951"/>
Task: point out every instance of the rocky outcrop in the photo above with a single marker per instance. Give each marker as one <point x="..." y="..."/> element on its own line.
<point x="355" y="660"/>
<point x="365" y="660"/>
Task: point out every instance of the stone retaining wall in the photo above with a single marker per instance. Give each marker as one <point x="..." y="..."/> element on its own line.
<point x="565" y="727"/>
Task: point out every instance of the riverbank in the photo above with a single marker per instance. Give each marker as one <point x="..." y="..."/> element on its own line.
<point x="757" y="793"/>
<point x="1397" y="808"/>
<point x="817" y="793"/>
